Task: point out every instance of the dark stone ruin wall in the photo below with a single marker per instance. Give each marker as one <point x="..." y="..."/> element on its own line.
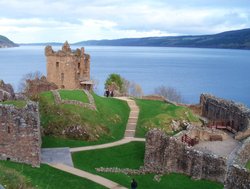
<point x="237" y="178"/>
<point x="167" y="154"/>
<point x="232" y="114"/>
<point x="20" y="138"/>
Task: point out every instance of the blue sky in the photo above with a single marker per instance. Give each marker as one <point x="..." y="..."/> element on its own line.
<point x="77" y="20"/>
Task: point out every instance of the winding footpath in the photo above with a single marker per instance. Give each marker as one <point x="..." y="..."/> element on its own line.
<point x="129" y="136"/>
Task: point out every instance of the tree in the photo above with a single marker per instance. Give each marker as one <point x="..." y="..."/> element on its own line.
<point x="114" y="81"/>
<point x="135" y="90"/>
<point x="169" y="93"/>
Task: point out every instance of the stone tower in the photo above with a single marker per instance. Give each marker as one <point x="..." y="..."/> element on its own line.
<point x="68" y="69"/>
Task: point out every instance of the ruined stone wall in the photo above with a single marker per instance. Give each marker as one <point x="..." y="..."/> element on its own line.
<point x="229" y="112"/>
<point x="237" y="178"/>
<point x="167" y="154"/>
<point x="36" y="86"/>
<point x="20" y="138"/>
<point x="67" y="68"/>
<point x="6" y="91"/>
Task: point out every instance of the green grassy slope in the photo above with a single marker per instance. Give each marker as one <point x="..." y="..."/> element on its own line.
<point x="47" y="177"/>
<point x="16" y="103"/>
<point x="107" y="124"/>
<point x="248" y="165"/>
<point x="78" y="95"/>
<point x="131" y="155"/>
<point x="158" y="114"/>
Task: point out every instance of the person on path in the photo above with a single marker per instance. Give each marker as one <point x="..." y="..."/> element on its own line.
<point x="133" y="184"/>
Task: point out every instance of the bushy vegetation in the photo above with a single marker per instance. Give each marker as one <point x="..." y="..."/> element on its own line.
<point x="16" y="103"/>
<point x="12" y="179"/>
<point x="170" y="93"/>
<point x="158" y="114"/>
<point x="21" y="176"/>
<point x="131" y="155"/>
<point x="78" y="95"/>
<point x="106" y="124"/>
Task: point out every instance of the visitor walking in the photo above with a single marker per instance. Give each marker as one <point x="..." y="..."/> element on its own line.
<point x="133" y="184"/>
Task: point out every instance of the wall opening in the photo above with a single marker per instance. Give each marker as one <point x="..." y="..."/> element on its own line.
<point x="79" y="65"/>
<point x="8" y="129"/>
<point x="8" y="159"/>
<point x="62" y="76"/>
<point x="57" y="64"/>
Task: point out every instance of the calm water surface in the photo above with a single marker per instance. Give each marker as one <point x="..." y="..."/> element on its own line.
<point x="192" y="71"/>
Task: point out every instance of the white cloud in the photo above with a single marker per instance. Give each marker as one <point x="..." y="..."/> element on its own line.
<point x="48" y="20"/>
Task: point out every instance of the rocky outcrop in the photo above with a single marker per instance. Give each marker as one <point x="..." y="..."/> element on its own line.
<point x="20" y="138"/>
<point x="6" y="91"/>
<point x="167" y="154"/>
<point x="229" y="113"/>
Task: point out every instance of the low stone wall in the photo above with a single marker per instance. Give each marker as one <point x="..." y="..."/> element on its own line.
<point x="231" y="113"/>
<point x="20" y="138"/>
<point x="237" y="178"/>
<point x="90" y="105"/>
<point x="167" y="154"/>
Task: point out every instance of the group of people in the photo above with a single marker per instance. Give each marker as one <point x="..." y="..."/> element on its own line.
<point x="109" y="93"/>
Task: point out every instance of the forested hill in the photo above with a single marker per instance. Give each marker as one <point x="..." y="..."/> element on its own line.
<point x="238" y="39"/>
<point x="5" y="42"/>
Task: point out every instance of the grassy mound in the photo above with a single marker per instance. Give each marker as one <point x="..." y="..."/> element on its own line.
<point x="77" y="95"/>
<point x="43" y="177"/>
<point x="131" y="155"/>
<point x="16" y="103"/>
<point x="158" y="114"/>
<point x="106" y="124"/>
<point x="12" y="179"/>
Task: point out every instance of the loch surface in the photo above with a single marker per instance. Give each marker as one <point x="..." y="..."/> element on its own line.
<point x="222" y="72"/>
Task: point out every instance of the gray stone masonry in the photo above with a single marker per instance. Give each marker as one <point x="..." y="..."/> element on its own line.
<point x="20" y="138"/>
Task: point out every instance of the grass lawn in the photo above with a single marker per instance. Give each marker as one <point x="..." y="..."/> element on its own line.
<point x="131" y="155"/>
<point x="248" y="165"/>
<point x="158" y="114"/>
<point x="47" y="177"/>
<point x="16" y="103"/>
<point x="78" y="95"/>
<point x="108" y="122"/>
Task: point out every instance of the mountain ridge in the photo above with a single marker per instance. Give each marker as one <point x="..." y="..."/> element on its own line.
<point x="235" y="39"/>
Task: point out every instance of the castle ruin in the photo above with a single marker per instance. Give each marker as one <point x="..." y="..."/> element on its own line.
<point x="20" y="138"/>
<point x="68" y="69"/>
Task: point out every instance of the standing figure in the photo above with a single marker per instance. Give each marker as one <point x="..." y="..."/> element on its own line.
<point x="133" y="184"/>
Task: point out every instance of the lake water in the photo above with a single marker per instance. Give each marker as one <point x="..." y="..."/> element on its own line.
<point x="225" y="73"/>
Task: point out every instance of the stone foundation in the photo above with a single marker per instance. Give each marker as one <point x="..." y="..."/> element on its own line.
<point x="20" y="138"/>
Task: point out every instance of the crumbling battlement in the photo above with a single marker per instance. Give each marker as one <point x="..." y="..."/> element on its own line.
<point x="228" y="112"/>
<point x="68" y="69"/>
<point x="168" y="154"/>
<point x="20" y="138"/>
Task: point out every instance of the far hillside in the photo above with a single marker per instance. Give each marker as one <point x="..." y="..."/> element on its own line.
<point x="238" y="39"/>
<point x="5" y="42"/>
